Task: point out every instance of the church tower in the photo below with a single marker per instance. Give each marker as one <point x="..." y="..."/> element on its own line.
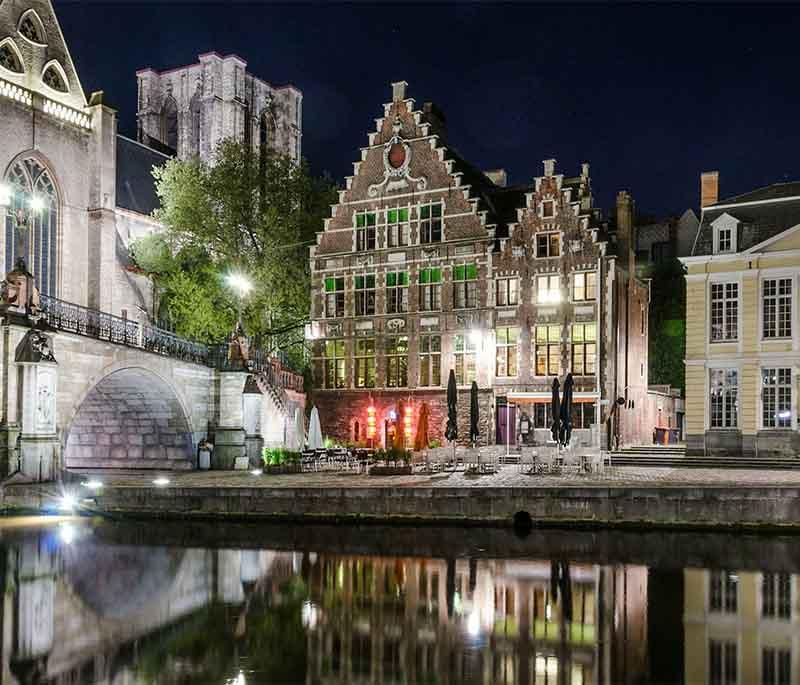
<point x="189" y="110"/>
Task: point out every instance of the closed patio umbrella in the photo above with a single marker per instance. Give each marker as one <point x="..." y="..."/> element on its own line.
<point x="421" y="438"/>
<point x="566" y="410"/>
<point x="299" y="430"/>
<point x="474" y="432"/>
<point x="315" y="440"/>
<point x="555" y="405"/>
<point x="451" y="430"/>
<point x="399" y="433"/>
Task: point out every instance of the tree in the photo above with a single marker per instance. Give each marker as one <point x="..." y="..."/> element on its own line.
<point x="667" y="324"/>
<point x="240" y="214"/>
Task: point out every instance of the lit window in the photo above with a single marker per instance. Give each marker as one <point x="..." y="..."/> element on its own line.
<point x="396" y="292"/>
<point x="724" y="388"/>
<point x="430" y="361"/>
<point x="331" y="365"/>
<point x="724" y="311"/>
<point x="334" y="297"/>
<point x="776" y="302"/>
<point x="365" y="231"/>
<point x="397" y="227"/>
<point x="548" y="289"/>
<point x="364" y="367"/>
<point x="584" y="348"/>
<point x="465" y="286"/>
<point x="430" y="223"/>
<point x="506" y="352"/>
<point x="584" y="286"/>
<point x="548" y="350"/>
<point x="548" y="244"/>
<point x="397" y="362"/>
<point x="776" y="396"/>
<point x="430" y="285"/>
<point x="365" y="295"/>
<point x="466" y="357"/>
<point x="507" y="289"/>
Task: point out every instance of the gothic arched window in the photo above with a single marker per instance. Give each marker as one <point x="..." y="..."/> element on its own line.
<point x="35" y="194"/>
<point x="169" y="123"/>
<point x="30" y="26"/>
<point x="53" y="77"/>
<point x="196" y="122"/>
<point x="10" y="58"/>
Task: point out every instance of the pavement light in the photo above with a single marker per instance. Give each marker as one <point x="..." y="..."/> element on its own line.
<point x="93" y="484"/>
<point x="68" y="503"/>
<point x="161" y="482"/>
<point x="256" y="472"/>
<point x="66" y="532"/>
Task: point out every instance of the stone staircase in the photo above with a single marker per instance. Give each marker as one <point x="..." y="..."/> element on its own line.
<point x="674" y="456"/>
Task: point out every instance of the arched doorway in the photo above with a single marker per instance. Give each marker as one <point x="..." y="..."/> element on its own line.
<point x="131" y="419"/>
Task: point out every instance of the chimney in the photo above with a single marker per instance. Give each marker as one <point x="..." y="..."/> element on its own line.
<point x="709" y="188"/>
<point x="497" y="176"/>
<point x="626" y="231"/>
<point x="435" y="117"/>
<point x="549" y="167"/>
<point x="399" y="91"/>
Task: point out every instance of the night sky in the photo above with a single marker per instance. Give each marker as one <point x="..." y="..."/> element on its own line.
<point x="650" y="95"/>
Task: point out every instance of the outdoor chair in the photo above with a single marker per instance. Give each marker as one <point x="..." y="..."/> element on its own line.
<point x="308" y="460"/>
<point x="488" y="460"/>
<point x="571" y="461"/>
<point x="527" y="458"/>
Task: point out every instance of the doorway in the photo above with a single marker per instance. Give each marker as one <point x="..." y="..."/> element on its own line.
<point x="506" y="423"/>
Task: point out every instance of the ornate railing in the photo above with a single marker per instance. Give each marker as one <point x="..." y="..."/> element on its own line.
<point x="241" y="355"/>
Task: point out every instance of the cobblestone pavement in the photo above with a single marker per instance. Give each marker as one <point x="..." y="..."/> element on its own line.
<point x="507" y="476"/>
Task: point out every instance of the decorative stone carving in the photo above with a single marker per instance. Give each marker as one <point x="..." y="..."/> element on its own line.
<point x="334" y="330"/>
<point x="396" y="324"/>
<point x="432" y="253"/>
<point x="396" y="163"/>
<point x="363" y="260"/>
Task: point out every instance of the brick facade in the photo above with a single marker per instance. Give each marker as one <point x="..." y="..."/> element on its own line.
<point x="573" y="305"/>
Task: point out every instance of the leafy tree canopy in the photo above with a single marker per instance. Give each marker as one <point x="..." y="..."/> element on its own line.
<point x="667" y="324"/>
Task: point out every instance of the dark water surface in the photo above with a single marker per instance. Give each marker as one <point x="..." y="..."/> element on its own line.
<point x="168" y="603"/>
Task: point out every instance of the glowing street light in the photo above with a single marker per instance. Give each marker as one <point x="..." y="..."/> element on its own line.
<point x="242" y="285"/>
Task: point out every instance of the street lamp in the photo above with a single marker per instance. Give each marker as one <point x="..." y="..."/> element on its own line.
<point x="242" y="286"/>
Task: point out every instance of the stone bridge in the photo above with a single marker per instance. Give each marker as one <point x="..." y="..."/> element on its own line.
<point x="81" y="389"/>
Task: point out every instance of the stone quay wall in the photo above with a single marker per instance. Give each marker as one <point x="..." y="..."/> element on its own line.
<point x="642" y="506"/>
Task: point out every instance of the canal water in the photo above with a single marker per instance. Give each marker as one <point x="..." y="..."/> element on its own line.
<point x="157" y="602"/>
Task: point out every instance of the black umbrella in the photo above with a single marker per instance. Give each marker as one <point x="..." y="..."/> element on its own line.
<point x="555" y="405"/>
<point x="451" y="431"/>
<point x="474" y="432"/>
<point x="566" y="410"/>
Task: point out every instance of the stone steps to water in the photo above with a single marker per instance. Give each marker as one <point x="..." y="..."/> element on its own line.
<point x="675" y="457"/>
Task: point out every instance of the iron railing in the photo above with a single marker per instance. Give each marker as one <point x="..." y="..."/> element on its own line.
<point x="73" y="318"/>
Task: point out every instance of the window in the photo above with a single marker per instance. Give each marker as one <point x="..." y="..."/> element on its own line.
<point x="397" y="227"/>
<point x="548" y="245"/>
<point x="334" y="297"/>
<point x="53" y="78"/>
<point x="725" y="239"/>
<point x="584" y="348"/>
<point x="724" y="406"/>
<point x="465" y="286"/>
<point x="29" y="179"/>
<point x="507" y="289"/>
<point x="776" y="298"/>
<point x="723" y="663"/>
<point x="333" y="364"/>
<point x="584" y="286"/>
<point x="724" y="311"/>
<point x="365" y="295"/>
<point x="548" y="209"/>
<point x="548" y="289"/>
<point x="9" y="58"/>
<point x="397" y="362"/>
<point x="723" y="592"/>
<point x="430" y="284"/>
<point x="169" y="123"/>
<point x="776" y="396"/>
<point x="583" y="415"/>
<point x="548" y="350"/>
<point x="365" y="231"/>
<point x="396" y="292"/>
<point x="31" y="29"/>
<point x="506" y="352"/>
<point x="465" y="360"/>
<point x="365" y="363"/>
<point x="776" y="595"/>
<point x="430" y="223"/>
<point x="542" y="415"/>
<point x="430" y="361"/>
<point x="776" y="666"/>
<point x="196" y="109"/>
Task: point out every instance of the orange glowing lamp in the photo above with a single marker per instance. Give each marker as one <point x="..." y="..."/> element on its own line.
<point x="407" y="422"/>
<point x="370" y="422"/>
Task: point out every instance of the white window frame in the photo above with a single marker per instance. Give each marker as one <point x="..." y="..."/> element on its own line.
<point x="792" y="380"/>
<point x="725" y="300"/>
<point x="777" y="276"/>
<point x="726" y="223"/>
<point x="710" y="371"/>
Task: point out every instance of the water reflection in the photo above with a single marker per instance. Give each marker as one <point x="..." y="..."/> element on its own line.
<point x="83" y="606"/>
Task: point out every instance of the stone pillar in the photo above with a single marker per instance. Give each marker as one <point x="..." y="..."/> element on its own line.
<point x="252" y="401"/>
<point x="38" y="380"/>
<point x="9" y="409"/>
<point x="230" y="443"/>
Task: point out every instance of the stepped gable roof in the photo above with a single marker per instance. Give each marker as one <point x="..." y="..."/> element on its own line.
<point x="136" y="187"/>
<point x="762" y="213"/>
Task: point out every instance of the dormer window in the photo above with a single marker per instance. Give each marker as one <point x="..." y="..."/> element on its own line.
<point x="10" y="59"/>
<point x="725" y="240"/>
<point x="54" y="78"/>
<point x="725" y="228"/>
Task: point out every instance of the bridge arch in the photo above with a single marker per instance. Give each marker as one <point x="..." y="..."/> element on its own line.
<point x="131" y="418"/>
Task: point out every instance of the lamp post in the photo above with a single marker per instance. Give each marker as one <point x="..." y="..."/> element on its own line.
<point x="242" y="286"/>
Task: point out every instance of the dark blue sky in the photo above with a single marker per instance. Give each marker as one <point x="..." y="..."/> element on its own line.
<point x="650" y="95"/>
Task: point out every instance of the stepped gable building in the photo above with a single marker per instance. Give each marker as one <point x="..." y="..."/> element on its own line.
<point x="742" y="338"/>
<point x="428" y="265"/>
<point x="189" y="110"/>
